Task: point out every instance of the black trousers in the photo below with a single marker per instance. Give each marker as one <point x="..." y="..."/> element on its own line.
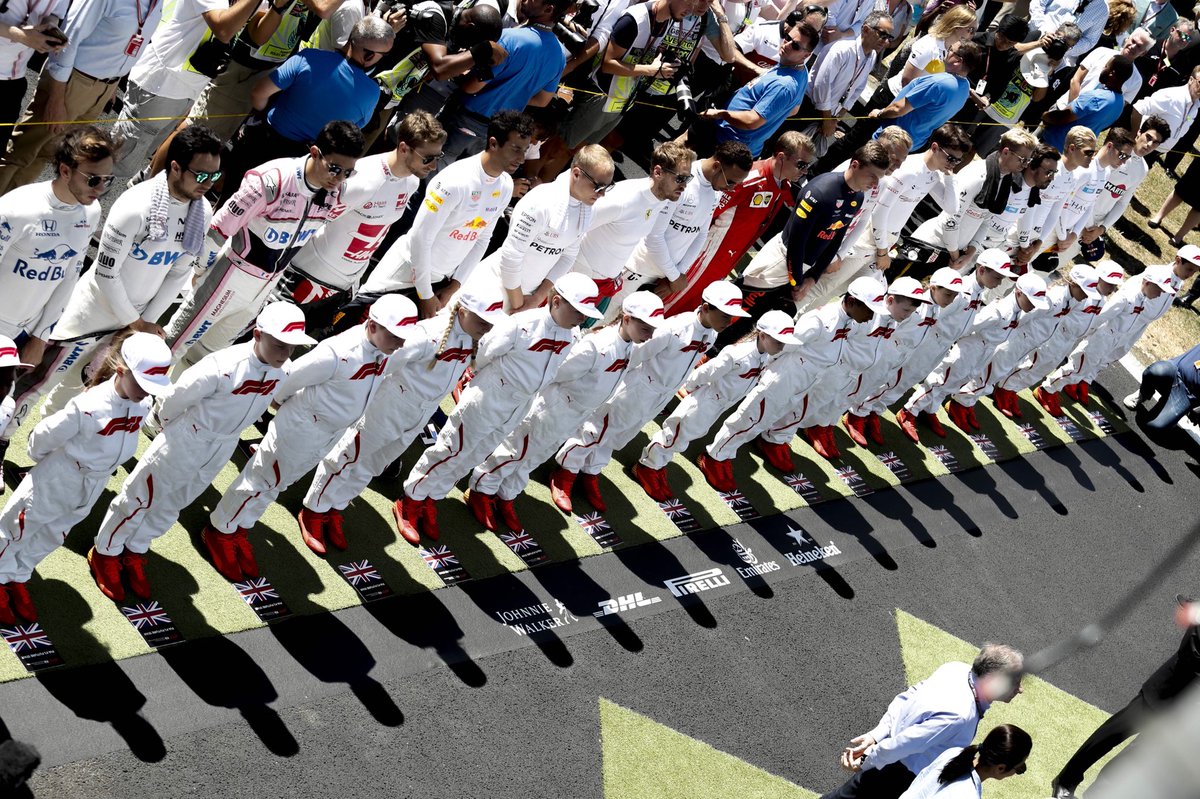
<point x="1121" y="725"/>
<point x="12" y="97"/>
<point x="875" y="783"/>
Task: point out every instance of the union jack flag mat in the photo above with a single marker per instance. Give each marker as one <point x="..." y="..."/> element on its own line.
<point x="524" y="547"/>
<point x="854" y="481"/>
<point x="595" y="525"/>
<point x="896" y="465"/>
<point x="263" y="599"/>
<point x="444" y="563"/>
<point x="1102" y="422"/>
<point x="986" y="445"/>
<point x="679" y="515"/>
<point x="1033" y="434"/>
<point x="804" y="487"/>
<point x="365" y="580"/>
<point x="946" y="457"/>
<point x="1071" y="429"/>
<point x="32" y="646"/>
<point x="152" y="622"/>
<point x="738" y="503"/>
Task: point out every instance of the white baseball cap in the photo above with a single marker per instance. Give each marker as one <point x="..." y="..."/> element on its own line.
<point x="10" y="355"/>
<point x="1035" y="69"/>
<point x="911" y="288"/>
<point x="148" y="358"/>
<point x="396" y="313"/>
<point x="1110" y="272"/>
<point x="582" y="292"/>
<point x="779" y="326"/>
<point x="725" y="297"/>
<point x="1190" y="252"/>
<point x="1084" y="276"/>
<point x="949" y="278"/>
<point x="645" y="306"/>
<point x="487" y="305"/>
<point x="1033" y="286"/>
<point x="1160" y="275"/>
<point x="285" y="322"/>
<point x="870" y="291"/>
<point x="997" y="260"/>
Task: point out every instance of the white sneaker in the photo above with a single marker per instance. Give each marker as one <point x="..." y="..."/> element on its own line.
<point x="1189" y="427"/>
<point x="1131" y="402"/>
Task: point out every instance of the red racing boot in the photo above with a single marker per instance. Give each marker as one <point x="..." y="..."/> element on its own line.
<point x="481" y="508"/>
<point x="1003" y="399"/>
<point x="223" y="551"/>
<point x="312" y="529"/>
<point x="778" y="455"/>
<point x="1082" y="387"/>
<point x="958" y="415"/>
<point x="429" y="520"/>
<point x="908" y="425"/>
<point x="106" y="570"/>
<point x="1048" y="400"/>
<point x="407" y="513"/>
<point x="652" y="482"/>
<point x="6" y="614"/>
<point x="875" y="429"/>
<point x="1071" y="390"/>
<point x="590" y="483"/>
<point x="20" y="601"/>
<point x="334" y="532"/>
<point x="935" y="424"/>
<point x="719" y="474"/>
<point x="134" y="566"/>
<point x="856" y="426"/>
<point x="245" y="552"/>
<point x="508" y="514"/>
<point x="561" y="482"/>
<point x="971" y="420"/>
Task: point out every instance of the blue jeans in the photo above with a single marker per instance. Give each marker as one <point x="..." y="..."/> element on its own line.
<point x="1174" y="399"/>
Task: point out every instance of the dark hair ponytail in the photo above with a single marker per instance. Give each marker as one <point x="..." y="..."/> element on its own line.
<point x="1007" y="745"/>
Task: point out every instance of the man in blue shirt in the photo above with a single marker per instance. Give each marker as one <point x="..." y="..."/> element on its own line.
<point x="528" y="76"/>
<point x="930" y="101"/>
<point x="305" y="93"/>
<point x="1097" y="109"/>
<point x="757" y="109"/>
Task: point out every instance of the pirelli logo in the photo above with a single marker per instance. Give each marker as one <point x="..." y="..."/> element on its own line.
<point x="262" y="387"/>
<point x="369" y="370"/>
<point x="126" y="424"/>
<point x="549" y="345"/>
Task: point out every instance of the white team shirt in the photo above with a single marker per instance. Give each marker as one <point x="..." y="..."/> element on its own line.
<point x="928" y="53"/>
<point x="620" y="219"/>
<point x="1176" y="106"/>
<point x="729" y="376"/>
<point x="901" y="192"/>
<point x="1119" y="188"/>
<point x="162" y="68"/>
<point x="223" y="394"/>
<point x="368" y="203"/>
<point x="675" y="241"/>
<point x="133" y="277"/>
<point x="589" y="374"/>
<point x="451" y="232"/>
<point x="964" y="226"/>
<point x="97" y="429"/>
<point x="332" y="383"/>
<point x="1014" y="220"/>
<point x="1044" y="217"/>
<point x="410" y="365"/>
<point x="1077" y="212"/>
<point x="42" y="244"/>
<point x="521" y="354"/>
<point x="664" y="362"/>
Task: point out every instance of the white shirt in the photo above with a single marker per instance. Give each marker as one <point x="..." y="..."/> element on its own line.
<point x="420" y="369"/>
<point x="1077" y="212"/>
<point x="1014" y="220"/>
<point x="741" y="15"/>
<point x="960" y="228"/>
<point x="42" y="244"/>
<point x="1095" y="63"/>
<point x="1175" y="105"/>
<point x="99" y="34"/>
<point x="928" y="53"/>
<point x="1044" y="218"/>
<point x="451" y="232"/>
<point x="134" y="277"/>
<point x="330" y="385"/>
<point x="839" y="75"/>
<point x="760" y="42"/>
<point x="729" y="376"/>
<point x="223" y="394"/>
<point x="620" y="219"/>
<point x="369" y="202"/>
<point x="927" y="786"/>
<point x="521" y="354"/>
<point x="901" y="192"/>
<point x="1119" y="188"/>
<point x="675" y="241"/>
<point x="664" y="362"/>
<point x="97" y="429"/>
<point x="1047" y="15"/>
<point x="590" y="373"/>
<point x="162" y="68"/>
<point x="13" y="56"/>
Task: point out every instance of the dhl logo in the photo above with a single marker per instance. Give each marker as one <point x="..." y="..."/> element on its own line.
<point x="126" y="424"/>
<point x="263" y="387"/>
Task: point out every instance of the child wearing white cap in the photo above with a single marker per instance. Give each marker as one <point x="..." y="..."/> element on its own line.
<point x="1129" y="311"/>
<point x="919" y="345"/>
<point x="998" y="322"/>
<point x="76" y="452"/>
<point x="515" y="361"/>
<point x="712" y="388"/>
<point x="955" y="324"/>
<point x="1027" y="357"/>
<point x="202" y="418"/>
<point x="656" y="371"/>
<point x="327" y="389"/>
<point x="434" y="357"/>
<point x="823" y="336"/>
<point x="592" y="370"/>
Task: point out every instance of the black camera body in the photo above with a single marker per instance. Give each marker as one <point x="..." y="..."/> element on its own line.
<point x="684" y="98"/>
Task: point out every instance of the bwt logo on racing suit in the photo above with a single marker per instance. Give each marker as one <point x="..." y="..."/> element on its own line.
<point x="160" y="258"/>
<point x="276" y="236"/>
<point x="55" y="258"/>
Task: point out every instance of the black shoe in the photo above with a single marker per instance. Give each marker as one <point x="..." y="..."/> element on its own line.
<point x="1060" y="792"/>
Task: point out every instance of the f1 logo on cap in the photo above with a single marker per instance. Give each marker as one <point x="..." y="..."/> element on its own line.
<point x="657" y="312"/>
<point x="156" y="370"/>
<point x="495" y="306"/>
<point x="8" y="351"/>
<point x="290" y="326"/>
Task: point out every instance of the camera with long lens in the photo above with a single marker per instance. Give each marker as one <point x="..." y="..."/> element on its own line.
<point x="574" y="34"/>
<point x="385" y="8"/>
<point x="684" y="98"/>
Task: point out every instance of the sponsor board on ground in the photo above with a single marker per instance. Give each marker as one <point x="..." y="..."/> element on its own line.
<point x="151" y="621"/>
<point x="738" y="503"/>
<point x="986" y="445"/>
<point x="31" y="644"/>
<point x="263" y="599"/>
<point x="524" y="547"/>
<point x="854" y="481"/>
<point x="596" y="526"/>
<point x="696" y="582"/>
<point x="679" y="515"/>
<point x="620" y="604"/>
<point x="896" y="465"/>
<point x="804" y="487"/>
<point x="536" y="618"/>
<point x="945" y="457"/>
<point x="808" y="550"/>
<point x="1030" y="431"/>
<point x="365" y="580"/>
<point x="444" y="563"/>
<point x="754" y="567"/>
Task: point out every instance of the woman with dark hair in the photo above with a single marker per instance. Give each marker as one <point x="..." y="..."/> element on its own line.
<point x="959" y="773"/>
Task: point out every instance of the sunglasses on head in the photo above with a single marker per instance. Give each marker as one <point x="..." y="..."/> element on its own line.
<point x="205" y="177"/>
<point x="95" y="180"/>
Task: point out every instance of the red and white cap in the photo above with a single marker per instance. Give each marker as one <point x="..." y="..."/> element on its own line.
<point x="148" y="358"/>
<point x="725" y="297"/>
<point x="1110" y="272"/>
<point x="396" y="313"/>
<point x="870" y="291"/>
<point x="997" y="260"/>
<point x="949" y="278"/>
<point x="284" y="322"/>
<point x="645" y="306"/>
<point x="1190" y="252"/>
<point x="909" y="287"/>
<point x="1033" y="286"/>
<point x="10" y="355"/>
<point x="582" y="292"/>
<point x="1160" y="275"/>
<point x="779" y="326"/>
<point x="1084" y="276"/>
<point x="488" y="305"/>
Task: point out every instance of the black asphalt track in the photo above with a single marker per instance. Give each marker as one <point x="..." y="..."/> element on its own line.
<point x="433" y="696"/>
